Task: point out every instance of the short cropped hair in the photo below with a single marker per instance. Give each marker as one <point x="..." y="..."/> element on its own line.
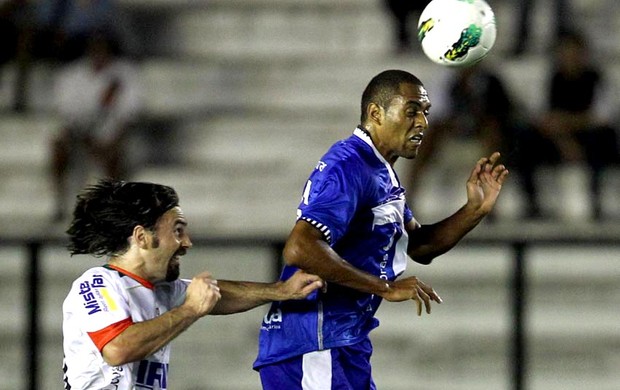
<point x="107" y="212"/>
<point x="384" y="87"/>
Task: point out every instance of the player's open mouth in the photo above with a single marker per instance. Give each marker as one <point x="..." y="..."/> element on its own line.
<point x="417" y="138"/>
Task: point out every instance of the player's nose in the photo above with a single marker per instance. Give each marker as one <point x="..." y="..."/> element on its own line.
<point x="186" y="243"/>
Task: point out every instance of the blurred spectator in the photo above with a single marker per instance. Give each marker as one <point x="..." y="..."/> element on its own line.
<point x="9" y="29"/>
<point x="561" y="15"/>
<point x="13" y="14"/>
<point x="72" y="23"/>
<point x="576" y="127"/>
<point x="478" y="118"/>
<point x="404" y="14"/>
<point x="56" y="31"/>
<point x="98" y="100"/>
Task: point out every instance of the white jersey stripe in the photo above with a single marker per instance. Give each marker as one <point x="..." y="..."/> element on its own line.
<point x="366" y="138"/>
<point x="317" y="370"/>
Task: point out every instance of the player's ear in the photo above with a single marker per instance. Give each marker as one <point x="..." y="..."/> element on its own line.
<point x="375" y="113"/>
<point x="141" y="237"/>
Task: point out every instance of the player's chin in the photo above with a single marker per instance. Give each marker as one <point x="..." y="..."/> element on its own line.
<point x="174" y="271"/>
<point x="410" y="153"/>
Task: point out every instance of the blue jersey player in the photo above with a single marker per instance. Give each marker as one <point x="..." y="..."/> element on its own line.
<point x="355" y="230"/>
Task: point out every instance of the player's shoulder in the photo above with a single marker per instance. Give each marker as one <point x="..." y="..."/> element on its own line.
<point x="348" y="153"/>
<point x="97" y="273"/>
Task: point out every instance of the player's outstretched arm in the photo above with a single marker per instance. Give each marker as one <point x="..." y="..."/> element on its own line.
<point x="242" y="296"/>
<point x="306" y="249"/>
<point x="483" y="187"/>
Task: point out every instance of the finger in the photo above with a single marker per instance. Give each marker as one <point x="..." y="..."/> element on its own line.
<point x="312" y="281"/>
<point x="435" y="297"/>
<point x="473" y="177"/>
<point x="310" y="288"/>
<point x="490" y="166"/>
<point x="309" y="278"/>
<point x="418" y="303"/>
<point x="313" y="286"/>
<point x="491" y="161"/>
<point x="497" y="171"/>
<point x="494" y="158"/>
<point x="204" y="275"/>
<point x="497" y="178"/>
<point x="427" y="300"/>
<point x="502" y="177"/>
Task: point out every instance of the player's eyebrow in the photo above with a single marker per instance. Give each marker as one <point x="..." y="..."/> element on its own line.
<point x="419" y="104"/>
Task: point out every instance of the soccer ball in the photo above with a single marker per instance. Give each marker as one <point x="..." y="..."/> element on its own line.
<point x="457" y="32"/>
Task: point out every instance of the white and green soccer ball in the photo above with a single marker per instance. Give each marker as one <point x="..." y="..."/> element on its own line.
<point x="457" y="32"/>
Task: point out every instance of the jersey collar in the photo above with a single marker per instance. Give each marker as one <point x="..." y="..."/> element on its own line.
<point x="133" y="276"/>
<point x="364" y="136"/>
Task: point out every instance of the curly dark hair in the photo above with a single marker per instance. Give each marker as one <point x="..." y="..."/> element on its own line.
<point x="383" y="87"/>
<point x="107" y="212"/>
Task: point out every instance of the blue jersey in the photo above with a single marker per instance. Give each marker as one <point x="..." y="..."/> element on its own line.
<point x="355" y="199"/>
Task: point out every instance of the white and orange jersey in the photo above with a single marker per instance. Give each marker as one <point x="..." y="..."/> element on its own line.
<point x="102" y="303"/>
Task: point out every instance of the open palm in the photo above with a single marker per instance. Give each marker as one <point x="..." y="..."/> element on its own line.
<point x="485" y="183"/>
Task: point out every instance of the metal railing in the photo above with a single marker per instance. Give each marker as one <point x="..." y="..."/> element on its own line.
<point x="519" y="237"/>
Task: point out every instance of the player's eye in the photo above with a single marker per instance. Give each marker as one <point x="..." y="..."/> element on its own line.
<point x="413" y="113"/>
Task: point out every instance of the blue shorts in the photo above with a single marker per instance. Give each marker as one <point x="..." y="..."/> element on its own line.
<point x="343" y="368"/>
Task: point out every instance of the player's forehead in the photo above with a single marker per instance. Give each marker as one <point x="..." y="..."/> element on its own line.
<point x="172" y="217"/>
<point x="413" y="94"/>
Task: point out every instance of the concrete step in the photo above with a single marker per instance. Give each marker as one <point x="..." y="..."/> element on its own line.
<point x="279" y="146"/>
<point x="25" y="140"/>
<point x="219" y="204"/>
<point x="260" y="29"/>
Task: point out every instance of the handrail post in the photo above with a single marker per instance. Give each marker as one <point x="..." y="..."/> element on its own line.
<point x="32" y="337"/>
<point x="519" y="290"/>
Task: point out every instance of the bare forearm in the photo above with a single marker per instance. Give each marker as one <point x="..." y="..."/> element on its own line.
<point x="242" y="296"/>
<point x="306" y="249"/>
<point x="429" y="241"/>
<point x="143" y="339"/>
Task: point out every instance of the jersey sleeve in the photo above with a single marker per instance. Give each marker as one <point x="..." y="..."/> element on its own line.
<point x="178" y="292"/>
<point x="330" y="199"/>
<point x="408" y="214"/>
<point x="100" y="308"/>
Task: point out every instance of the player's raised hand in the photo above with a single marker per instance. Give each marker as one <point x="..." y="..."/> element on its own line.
<point x="301" y="284"/>
<point x="202" y="294"/>
<point x="415" y="289"/>
<point x="485" y="183"/>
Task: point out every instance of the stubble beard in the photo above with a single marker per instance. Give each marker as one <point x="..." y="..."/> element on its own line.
<point x="173" y="272"/>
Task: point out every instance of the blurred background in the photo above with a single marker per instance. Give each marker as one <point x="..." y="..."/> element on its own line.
<point x="232" y="102"/>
